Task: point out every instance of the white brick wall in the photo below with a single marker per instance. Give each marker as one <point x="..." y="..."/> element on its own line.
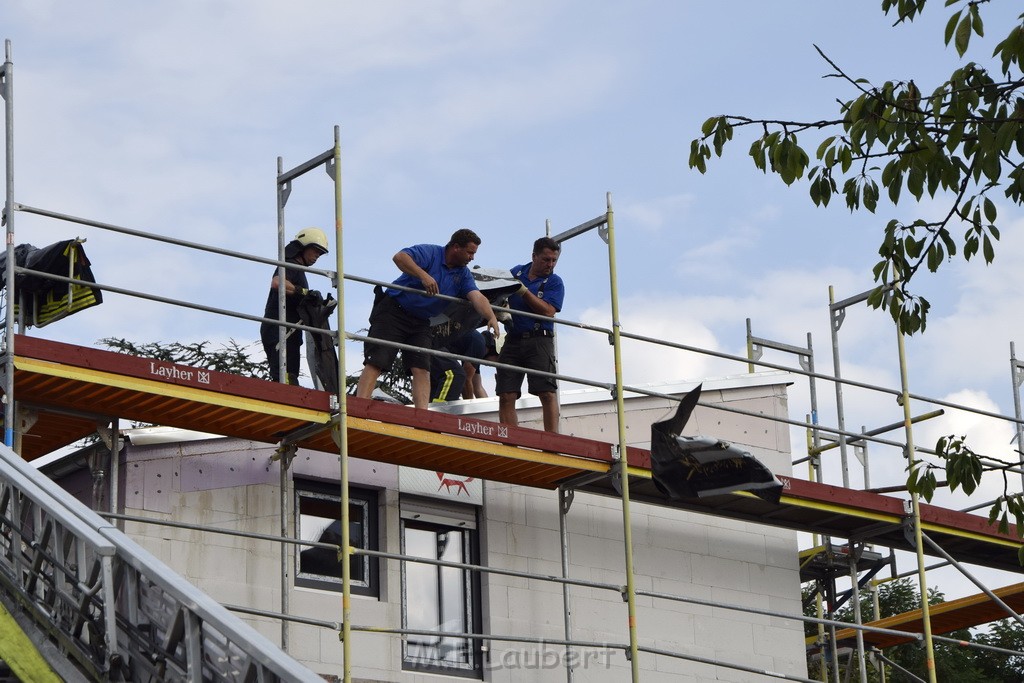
<point x="675" y="552"/>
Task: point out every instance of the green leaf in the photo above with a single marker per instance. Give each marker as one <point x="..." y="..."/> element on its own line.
<point x="915" y="182"/>
<point x="823" y="147"/>
<point x="971" y="245"/>
<point x="870" y="193"/>
<point x="990" y="210"/>
<point x="951" y="26"/>
<point x="963" y="35"/>
<point x="913" y="246"/>
<point x="856" y="107"/>
<point x="846" y="160"/>
<point x="935" y="256"/>
<point x="976" y="24"/>
<point x="969" y="483"/>
<point x="947" y="240"/>
<point x="954" y="136"/>
<point x="698" y="155"/>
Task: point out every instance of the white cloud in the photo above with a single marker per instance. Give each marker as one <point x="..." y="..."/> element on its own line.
<point x="654" y="214"/>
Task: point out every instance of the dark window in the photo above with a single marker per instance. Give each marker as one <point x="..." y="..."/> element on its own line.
<point x="444" y="600"/>
<point x="319" y="520"/>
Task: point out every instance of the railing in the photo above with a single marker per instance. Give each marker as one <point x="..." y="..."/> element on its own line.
<point x="116" y="611"/>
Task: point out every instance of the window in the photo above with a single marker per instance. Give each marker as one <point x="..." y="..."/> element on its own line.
<point x="319" y="520"/>
<point x="441" y="599"/>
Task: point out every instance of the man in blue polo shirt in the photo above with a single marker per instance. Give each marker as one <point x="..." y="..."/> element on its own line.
<point x="530" y="342"/>
<point x="404" y="317"/>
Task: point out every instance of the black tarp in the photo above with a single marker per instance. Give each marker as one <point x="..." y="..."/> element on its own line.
<point x="315" y="311"/>
<point x="46" y="300"/>
<point x="701" y="466"/>
<point x="497" y="284"/>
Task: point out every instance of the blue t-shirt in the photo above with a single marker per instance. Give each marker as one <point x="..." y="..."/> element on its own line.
<point x="550" y="289"/>
<point x="450" y="281"/>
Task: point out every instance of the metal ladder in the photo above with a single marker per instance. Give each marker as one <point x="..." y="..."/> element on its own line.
<point x="99" y="607"/>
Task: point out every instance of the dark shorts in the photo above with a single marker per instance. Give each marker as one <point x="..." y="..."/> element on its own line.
<point x="532" y="353"/>
<point x="390" y="322"/>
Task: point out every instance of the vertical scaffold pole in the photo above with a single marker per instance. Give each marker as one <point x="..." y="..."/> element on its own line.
<point x="284" y="189"/>
<point x="837" y="313"/>
<point x="1016" y="376"/>
<point x="565" y="497"/>
<point x="7" y="90"/>
<point x="916" y="509"/>
<point x="623" y="462"/>
<point x="341" y="437"/>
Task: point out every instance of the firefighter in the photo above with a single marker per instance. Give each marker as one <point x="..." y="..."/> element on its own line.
<point x="309" y="245"/>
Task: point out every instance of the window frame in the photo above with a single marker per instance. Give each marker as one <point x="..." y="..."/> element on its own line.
<point x="368" y="501"/>
<point x="433" y="516"/>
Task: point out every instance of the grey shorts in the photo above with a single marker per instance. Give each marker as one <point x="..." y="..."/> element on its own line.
<point x="532" y="353"/>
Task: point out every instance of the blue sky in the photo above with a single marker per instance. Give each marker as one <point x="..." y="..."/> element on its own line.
<point x="169" y="117"/>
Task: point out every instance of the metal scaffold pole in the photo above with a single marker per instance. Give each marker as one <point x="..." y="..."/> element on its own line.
<point x="1016" y="376"/>
<point x="837" y="312"/>
<point x="341" y="424"/>
<point x="623" y="461"/>
<point x="916" y="509"/>
<point x="7" y="90"/>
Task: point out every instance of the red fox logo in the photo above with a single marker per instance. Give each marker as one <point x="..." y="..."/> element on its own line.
<point x="448" y="483"/>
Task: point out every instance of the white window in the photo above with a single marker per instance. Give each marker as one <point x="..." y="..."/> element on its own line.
<point x="442" y="600"/>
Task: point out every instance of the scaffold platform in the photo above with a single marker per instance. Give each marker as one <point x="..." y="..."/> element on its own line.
<point x="64" y="391"/>
<point x="945" y="617"/>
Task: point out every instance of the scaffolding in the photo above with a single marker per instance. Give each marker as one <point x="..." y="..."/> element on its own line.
<point x="40" y="377"/>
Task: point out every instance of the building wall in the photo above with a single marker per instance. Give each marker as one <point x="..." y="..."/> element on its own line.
<point x="234" y="484"/>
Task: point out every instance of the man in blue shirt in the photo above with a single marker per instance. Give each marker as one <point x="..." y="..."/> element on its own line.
<point x="404" y="317"/>
<point x="530" y="342"/>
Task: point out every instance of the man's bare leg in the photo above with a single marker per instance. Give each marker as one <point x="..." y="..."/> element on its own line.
<point x="420" y="387"/>
<point x="549" y="407"/>
<point x="367" y="381"/>
<point x="507" y="409"/>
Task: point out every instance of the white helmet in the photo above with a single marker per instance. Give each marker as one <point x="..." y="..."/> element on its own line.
<point x="312" y="237"/>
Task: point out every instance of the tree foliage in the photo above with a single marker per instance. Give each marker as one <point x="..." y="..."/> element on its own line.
<point x="237" y="358"/>
<point x="232" y="357"/>
<point x="952" y="663"/>
<point x="963" y="469"/>
<point x="961" y="141"/>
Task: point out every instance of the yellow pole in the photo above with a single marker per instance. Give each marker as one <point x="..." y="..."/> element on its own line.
<point x="916" y="511"/>
<point x="634" y="658"/>
<point x="342" y="426"/>
<point x="819" y="608"/>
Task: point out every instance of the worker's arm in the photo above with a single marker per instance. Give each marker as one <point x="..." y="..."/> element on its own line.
<point x="536" y="304"/>
<point x="483" y="307"/>
<point x="289" y="286"/>
<point x="407" y="265"/>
